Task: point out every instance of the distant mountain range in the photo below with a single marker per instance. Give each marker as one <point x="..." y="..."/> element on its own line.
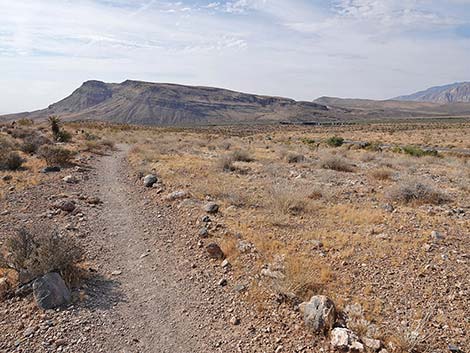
<point x="147" y="103"/>
<point x="453" y="93"/>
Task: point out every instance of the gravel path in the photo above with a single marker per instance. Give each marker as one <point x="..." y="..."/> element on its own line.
<point x="159" y="309"/>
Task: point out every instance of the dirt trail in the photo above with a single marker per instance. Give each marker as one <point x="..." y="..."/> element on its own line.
<point x="160" y="308"/>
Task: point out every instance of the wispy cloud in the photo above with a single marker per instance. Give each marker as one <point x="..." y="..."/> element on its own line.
<point x="297" y="48"/>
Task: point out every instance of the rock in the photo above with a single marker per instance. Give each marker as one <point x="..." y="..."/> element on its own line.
<point x="454" y="349"/>
<point x="177" y="195"/>
<point x="215" y="251"/>
<point x="149" y="180"/>
<point x="345" y="340"/>
<point x="4" y="287"/>
<point x="319" y="313"/>
<point x="93" y="200"/>
<point x="244" y="246"/>
<point x="206" y="219"/>
<point x="371" y="343"/>
<point x="435" y="235"/>
<point x="50" y="169"/>
<point x="266" y="272"/>
<point x="50" y="291"/>
<point x="29" y="331"/>
<point x="7" y="177"/>
<point x="234" y="320"/>
<point x="116" y="273"/>
<point x="222" y="282"/>
<point x="211" y="207"/>
<point x="70" y="179"/>
<point x="65" y="205"/>
<point x="239" y="288"/>
<point x="203" y="232"/>
<point x="225" y="263"/>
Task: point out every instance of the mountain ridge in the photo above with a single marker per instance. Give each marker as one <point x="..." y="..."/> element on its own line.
<point x="458" y="92"/>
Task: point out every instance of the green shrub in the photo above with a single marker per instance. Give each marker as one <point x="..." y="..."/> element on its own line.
<point x="418" y="152"/>
<point x="10" y="160"/>
<point x="335" y="141"/>
<point x="56" y="155"/>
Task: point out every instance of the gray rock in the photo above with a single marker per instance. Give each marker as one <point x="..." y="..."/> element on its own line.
<point x="70" y="179"/>
<point x="49" y="169"/>
<point x="435" y="235"/>
<point x="177" y="195"/>
<point x="50" y="291"/>
<point x="372" y="343"/>
<point x="215" y="251"/>
<point x="149" y="180"/>
<point x="206" y="219"/>
<point x="211" y="207"/>
<point x="319" y="313"/>
<point x="203" y="232"/>
<point x="345" y="340"/>
<point x="7" y="177"/>
<point x="65" y="205"/>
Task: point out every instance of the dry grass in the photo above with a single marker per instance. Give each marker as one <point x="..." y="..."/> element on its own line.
<point x="382" y="173"/>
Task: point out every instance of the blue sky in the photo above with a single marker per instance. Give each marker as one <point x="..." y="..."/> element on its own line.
<point x="297" y="48"/>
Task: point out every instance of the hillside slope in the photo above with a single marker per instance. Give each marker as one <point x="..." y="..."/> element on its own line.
<point x="453" y="93"/>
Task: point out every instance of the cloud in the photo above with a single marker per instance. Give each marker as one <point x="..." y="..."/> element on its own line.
<point x="297" y="48"/>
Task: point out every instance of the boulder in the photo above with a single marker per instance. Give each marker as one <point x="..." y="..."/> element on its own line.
<point x="4" y="287"/>
<point x="215" y="251"/>
<point x="149" y="180"/>
<point x="70" y="179"/>
<point x="319" y="313"/>
<point x="177" y="195"/>
<point x="50" y="169"/>
<point x="344" y="339"/>
<point x="203" y="232"/>
<point x="65" y="205"/>
<point x="211" y="207"/>
<point x="50" y="291"/>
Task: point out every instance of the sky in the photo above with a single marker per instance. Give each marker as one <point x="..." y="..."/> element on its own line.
<point x="300" y="49"/>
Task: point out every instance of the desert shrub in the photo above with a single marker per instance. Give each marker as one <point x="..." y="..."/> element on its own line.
<point x="10" y="160"/>
<point x="35" y="253"/>
<point x="418" y="152"/>
<point x="32" y="143"/>
<point x="413" y="191"/>
<point x="225" y="163"/>
<point x="19" y="133"/>
<point x="382" y="173"/>
<point x="6" y="143"/>
<point x="56" y="155"/>
<point x="287" y="200"/>
<point x="98" y="146"/>
<point x="373" y="146"/>
<point x="293" y="157"/>
<point x="225" y="145"/>
<point x="241" y="156"/>
<point x="336" y="163"/>
<point x="59" y="134"/>
<point x="335" y="141"/>
<point x="25" y="122"/>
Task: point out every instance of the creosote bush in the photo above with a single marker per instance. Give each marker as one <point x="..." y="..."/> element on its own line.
<point x="416" y="151"/>
<point x="336" y="163"/>
<point x="413" y="191"/>
<point x="32" y="143"/>
<point x="40" y="251"/>
<point x="56" y="155"/>
<point x="10" y="160"/>
<point x="335" y="141"/>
